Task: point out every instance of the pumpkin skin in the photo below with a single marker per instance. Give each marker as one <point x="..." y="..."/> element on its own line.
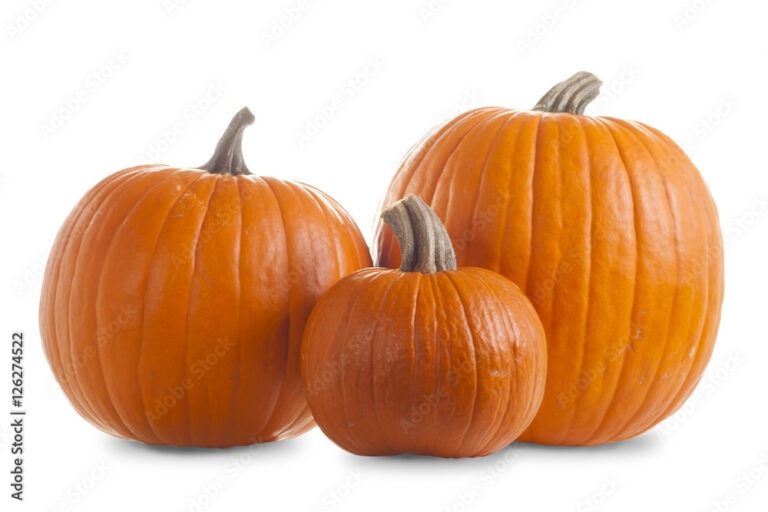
<point x="611" y="232"/>
<point x="174" y="301"/>
<point x="449" y="363"/>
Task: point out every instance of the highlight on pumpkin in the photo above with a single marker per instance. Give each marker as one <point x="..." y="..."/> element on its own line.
<point x="425" y="359"/>
<point x="611" y="232"/>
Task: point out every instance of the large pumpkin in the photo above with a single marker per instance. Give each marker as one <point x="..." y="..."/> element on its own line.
<point x="425" y="359"/>
<point x="174" y="300"/>
<point x="610" y="230"/>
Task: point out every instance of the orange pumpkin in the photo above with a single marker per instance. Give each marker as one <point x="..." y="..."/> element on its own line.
<point x="174" y="299"/>
<point x="426" y="359"/>
<point x="611" y="232"/>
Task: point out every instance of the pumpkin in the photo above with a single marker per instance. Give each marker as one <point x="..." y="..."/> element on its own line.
<point x="174" y="299"/>
<point x="611" y="232"/>
<point x="425" y="359"/>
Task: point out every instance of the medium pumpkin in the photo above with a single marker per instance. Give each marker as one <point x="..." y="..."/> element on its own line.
<point x="174" y="300"/>
<point x="611" y="232"/>
<point x="426" y="359"/>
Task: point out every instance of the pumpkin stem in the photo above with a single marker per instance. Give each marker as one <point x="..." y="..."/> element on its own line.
<point x="572" y="95"/>
<point x="228" y="156"/>
<point x="424" y="242"/>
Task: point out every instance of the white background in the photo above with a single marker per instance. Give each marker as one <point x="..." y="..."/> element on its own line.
<point x="340" y="90"/>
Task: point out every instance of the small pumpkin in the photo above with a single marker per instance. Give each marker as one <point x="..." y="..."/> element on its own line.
<point x="426" y="359"/>
<point x="174" y="299"/>
<point x="611" y="232"/>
